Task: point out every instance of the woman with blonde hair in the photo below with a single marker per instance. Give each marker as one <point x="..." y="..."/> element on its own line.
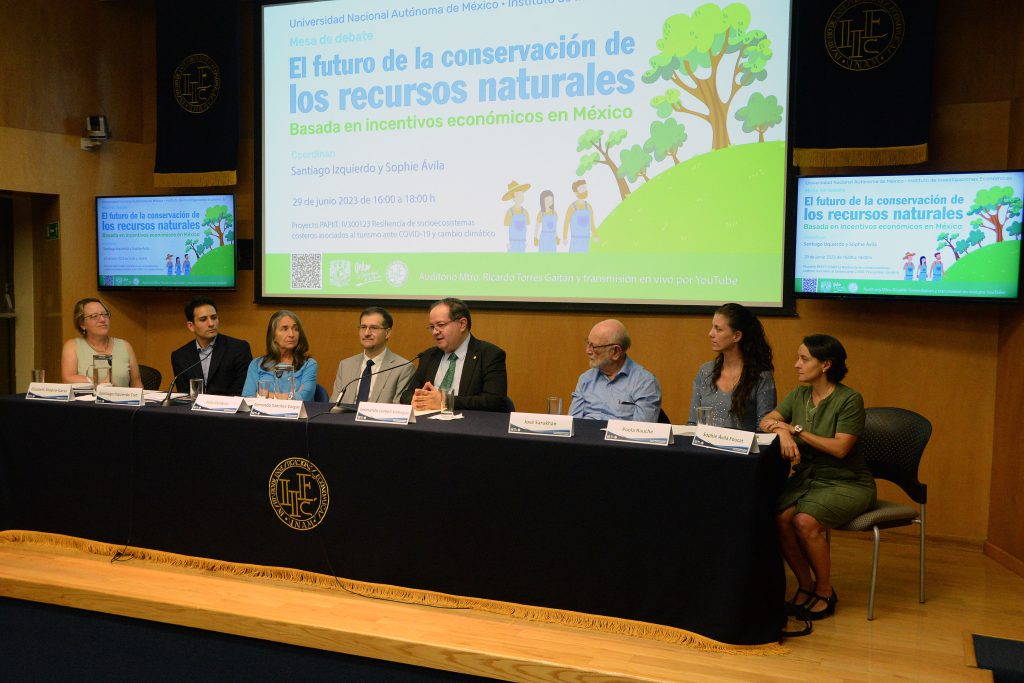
<point x="92" y="320"/>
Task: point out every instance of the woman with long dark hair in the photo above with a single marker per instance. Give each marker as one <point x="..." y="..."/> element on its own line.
<point x="818" y="424"/>
<point x="737" y="385"/>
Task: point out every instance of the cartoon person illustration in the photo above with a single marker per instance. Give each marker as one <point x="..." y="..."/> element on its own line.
<point x="580" y="216"/>
<point x="936" y="274"/>
<point x="908" y="265"/>
<point x="922" y="269"/>
<point x="186" y="266"/>
<point x="545" y="232"/>
<point x="517" y="217"/>
<point x="177" y="265"/>
<point x="170" y="264"/>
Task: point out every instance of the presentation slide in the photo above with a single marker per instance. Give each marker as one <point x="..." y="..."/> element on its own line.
<point x="940" y="235"/>
<point x="588" y="151"/>
<point x="166" y="241"/>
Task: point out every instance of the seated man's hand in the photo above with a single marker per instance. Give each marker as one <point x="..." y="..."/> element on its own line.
<point x="427" y="398"/>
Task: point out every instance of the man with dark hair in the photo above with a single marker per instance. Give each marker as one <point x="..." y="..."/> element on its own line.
<point x="474" y="370"/>
<point x="221" y="361"/>
<point x="383" y="375"/>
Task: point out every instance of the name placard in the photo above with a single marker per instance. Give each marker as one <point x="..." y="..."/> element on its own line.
<point x="48" y="391"/>
<point x="725" y="439"/>
<point x="108" y="394"/>
<point x="217" y="404"/>
<point x="384" y="413"/>
<point x="652" y="433"/>
<point x="540" y="423"/>
<point x="282" y="410"/>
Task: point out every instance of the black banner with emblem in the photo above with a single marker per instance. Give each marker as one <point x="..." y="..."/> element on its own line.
<point x="197" y="66"/>
<point x="862" y="82"/>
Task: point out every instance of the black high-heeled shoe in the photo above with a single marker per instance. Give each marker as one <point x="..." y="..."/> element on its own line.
<point x="830" y="606"/>
<point x="794" y="608"/>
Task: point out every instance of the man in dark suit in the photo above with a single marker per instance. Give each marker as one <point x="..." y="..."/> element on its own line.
<point x="220" y="360"/>
<point x="473" y="369"/>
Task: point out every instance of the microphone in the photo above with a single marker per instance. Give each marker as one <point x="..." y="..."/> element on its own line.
<point x="340" y="407"/>
<point x="167" y="399"/>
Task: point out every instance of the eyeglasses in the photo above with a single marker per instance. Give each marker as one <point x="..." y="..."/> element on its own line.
<point x="591" y="345"/>
<point x="97" y="316"/>
<point x="438" y="326"/>
<point x="372" y="328"/>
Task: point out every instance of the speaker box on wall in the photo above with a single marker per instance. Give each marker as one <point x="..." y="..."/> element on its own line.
<point x="243" y="254"/>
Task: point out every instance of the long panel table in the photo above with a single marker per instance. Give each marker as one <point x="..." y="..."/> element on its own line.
<point x="676" y="535"/>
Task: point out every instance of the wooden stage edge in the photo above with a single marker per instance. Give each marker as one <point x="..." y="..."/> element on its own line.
<point x="459" y="640"/>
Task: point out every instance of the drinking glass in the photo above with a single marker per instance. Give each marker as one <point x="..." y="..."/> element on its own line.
<point x="446" y="401"/>
<point x="705" y="414"/>
<point x="554" y="405"/>
<point x="264" y="388"/>
<point x="39" y="376"/>
<point x="195" y="387"/>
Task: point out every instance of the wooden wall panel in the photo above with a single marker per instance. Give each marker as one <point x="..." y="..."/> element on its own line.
<point x="63" y="61"/>
<point x="1006" y="522"/>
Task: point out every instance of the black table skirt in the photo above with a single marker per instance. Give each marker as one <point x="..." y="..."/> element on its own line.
<point x="677" y="535"/>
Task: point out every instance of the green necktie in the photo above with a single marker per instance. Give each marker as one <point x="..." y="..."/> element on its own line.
<point x="449" y="376"/>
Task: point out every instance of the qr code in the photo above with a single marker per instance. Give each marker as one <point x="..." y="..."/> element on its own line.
<point x="307" y="271"/>
<point x="809" y="284"/>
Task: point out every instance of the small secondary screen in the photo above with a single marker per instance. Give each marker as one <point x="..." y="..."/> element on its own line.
<point x="950" y="235"/>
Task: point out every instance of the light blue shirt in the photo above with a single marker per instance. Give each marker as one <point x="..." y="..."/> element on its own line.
<point x="460" y="362"/>
<point x="633" y="394"/>
<point x="305" y="379"/>
<point x="205" y="355"/>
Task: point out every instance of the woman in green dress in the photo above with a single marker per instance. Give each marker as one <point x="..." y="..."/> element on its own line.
<point x="818" y="425"/>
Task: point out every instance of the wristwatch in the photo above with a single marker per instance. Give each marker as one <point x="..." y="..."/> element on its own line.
<point x="797" y="429"/>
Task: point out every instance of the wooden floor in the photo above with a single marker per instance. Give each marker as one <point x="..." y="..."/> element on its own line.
<point x="967" y="592"/>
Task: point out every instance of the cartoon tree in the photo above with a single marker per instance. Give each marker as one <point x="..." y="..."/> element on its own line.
<point x="635" y="162"/>
<point x="230" y="237"/>
<point x="760" y="114"/>
<point x="994" y="207"/>
<point x="975" y="238"/>
<point x="592" y="139"/>
<point x="946" y="240"/>
<point x="219" y="220"/>
<point x="963" y="245"/>
<point x="666" y="138"/>
<point x="693" y="51"/>
<point x="192" y="244"/>
<point x="1014" y="230"/>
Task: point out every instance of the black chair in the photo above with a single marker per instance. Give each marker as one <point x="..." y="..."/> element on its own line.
<point x="151" y="378"/>
<point x="509" y="407"/>
<point x="893" y="443"/>
<point x="663" y="418"/>
<point x="321" y="395"/>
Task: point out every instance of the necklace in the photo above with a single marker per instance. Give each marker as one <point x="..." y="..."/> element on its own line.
<point x="105" y="348"/>
<point x="811" y="407"/>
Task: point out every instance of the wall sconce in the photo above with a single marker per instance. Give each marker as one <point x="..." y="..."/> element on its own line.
<point x="96" y="131"/>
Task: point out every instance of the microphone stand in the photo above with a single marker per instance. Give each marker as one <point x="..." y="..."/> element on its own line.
<point x="340" y="407"/>
<point x="167" y="399"/>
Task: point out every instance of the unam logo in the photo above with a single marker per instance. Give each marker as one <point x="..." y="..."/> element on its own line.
<point x="397" y="273"/>
<point x="196" y="83"/>
<point x="864" y="34"/>
<point x="299" y="494"/>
